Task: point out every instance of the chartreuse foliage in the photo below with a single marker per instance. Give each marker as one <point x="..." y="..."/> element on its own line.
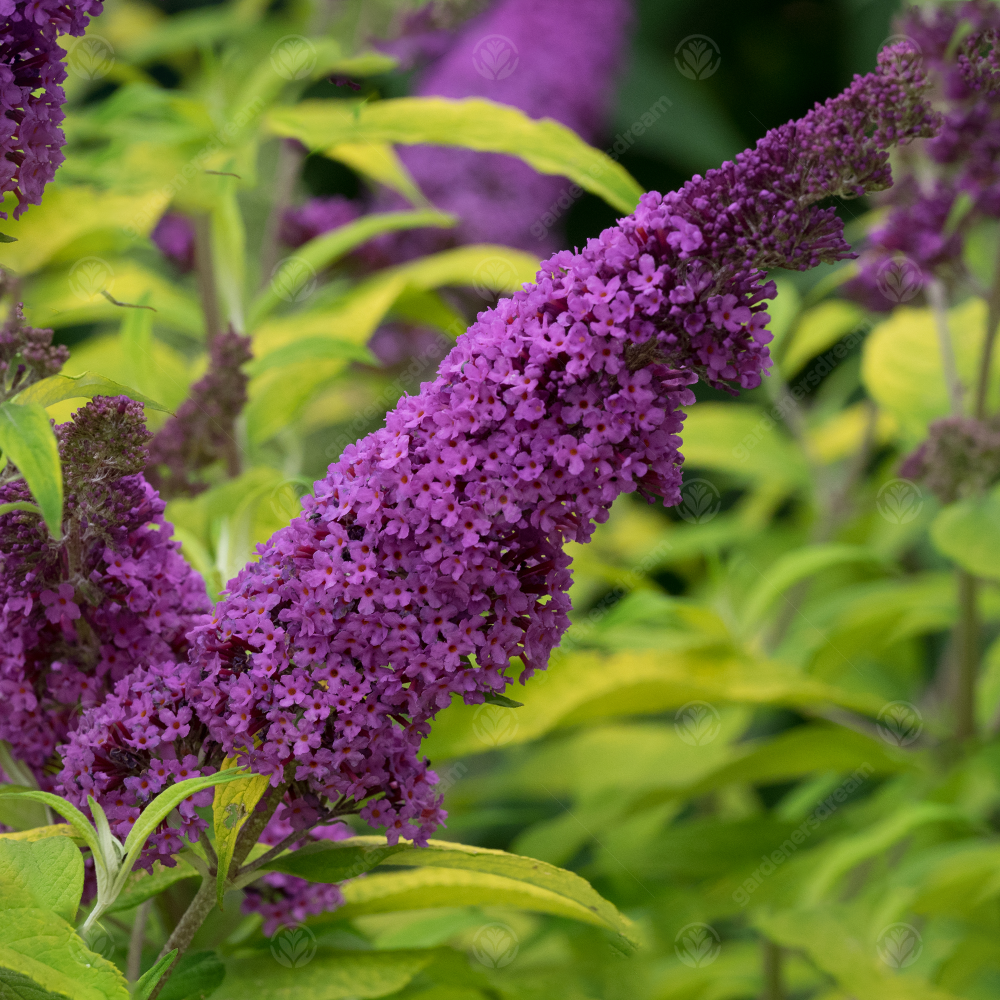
<point x="741" y="756"/>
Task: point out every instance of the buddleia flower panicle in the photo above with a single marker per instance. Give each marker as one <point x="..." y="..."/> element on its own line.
<point x="174" y="238"/>
<point x="203" y="431"/>
<point x="27" y="355"/>
<point x="315" y="217"/>
<point x="430" y="562"/>
<point x="80" y="614"/>
<point x="932" y="210"/>
<point x="31" y="98"/>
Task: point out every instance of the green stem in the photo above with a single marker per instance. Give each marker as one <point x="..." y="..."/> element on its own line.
<point x="286" y="173"/>
<point x="133" y="964"/>
<point x="966" y="653"/>
<point x="771" y="960"/>
<point x="183" y="934"/>
<point x="205" y="269"/>
<point x="939" y="307"/>
<point x="992" y="322"/>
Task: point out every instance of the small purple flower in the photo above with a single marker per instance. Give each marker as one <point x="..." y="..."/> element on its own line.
<point x="174" y="236"/>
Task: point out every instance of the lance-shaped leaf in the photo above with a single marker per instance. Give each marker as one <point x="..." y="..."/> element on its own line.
<point x="473" y="123"/>
<point x="232" y="806"/>
<point x="86" y="385"/>
<point x="455" y="875"/>
<point x="379" y="162"/>
<point x="27" y="439"/>
<point x="148" y="980"/>
<point x="297" y="272"/>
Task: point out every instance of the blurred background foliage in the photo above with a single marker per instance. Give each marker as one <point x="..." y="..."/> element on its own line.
<point x="746" y="740"/>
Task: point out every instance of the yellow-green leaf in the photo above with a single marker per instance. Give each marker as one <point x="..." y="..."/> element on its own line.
<point x="473" y="123"/>
<point x="26" y="438"/>
<point x="379" y="162"/>
<point x="86" y="385"/>
<point x="231" y="807"/>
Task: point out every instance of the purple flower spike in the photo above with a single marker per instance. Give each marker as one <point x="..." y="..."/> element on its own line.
<point x="31" y="98"/>
<point x="430" y="562"/>
<point x="79" y="615"/>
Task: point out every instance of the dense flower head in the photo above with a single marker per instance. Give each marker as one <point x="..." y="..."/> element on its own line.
<point x="430" y="561"/>
<point x="31" y="98"/>
<point x="174" y="237"/>
<point x="932" y="210"/>
<point x="961" y="457"/>
<point x="27" y="355"/>
<point x="315" y="217"/>
<point x="79" y="614"/>
<point x="203" y="430"/>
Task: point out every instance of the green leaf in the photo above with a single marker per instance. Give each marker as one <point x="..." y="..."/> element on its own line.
<point x="229" y="252"/>
<point x="501" y="699"/>
<point x="41" y="945"/>
<point x="76" y="820"/>
<point x="582" y="686"/>
<point x="799" y="564"/>
<point x="332" y="861"/>
<point x="297" y="970"/>
<point x="16" y="812"/>
<point x="471" y="123"/>
<point x="311" y="349"/>
<point x="901" y="364"/>
<point x="86" y="385"/>
<point x="47" y="875"/>
<point x="29" y="508"/>
<point x="968" y="532"/>
<point x="15" y="986"/>
<point x="817" y="330"/>
<point x="378" y="161"/>
<point x="299" y="270"/>
<point x="433" y="887"/>
<point x="161" y="807"/>
<point x="27" y="439"/>
<point x="837" y="939"/>
<point x="231" y="808"/>
<point x="148" y="980"/>
<point x="195" y="977"/>
<point x="4" y="238"/>
<point x="45" y="832"/>
<point x="142" y="886"/>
